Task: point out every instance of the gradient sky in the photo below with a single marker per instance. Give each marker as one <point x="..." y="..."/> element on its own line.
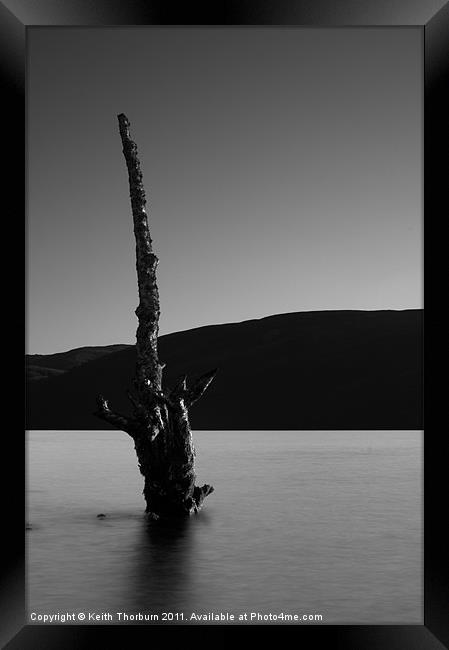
<point x="282" y="166"/>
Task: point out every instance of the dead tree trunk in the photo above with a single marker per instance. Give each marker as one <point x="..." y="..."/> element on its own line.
<point x="159" y="425"/>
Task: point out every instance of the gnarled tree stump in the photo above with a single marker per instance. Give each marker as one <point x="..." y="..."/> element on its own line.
<point x="159" y="425"/>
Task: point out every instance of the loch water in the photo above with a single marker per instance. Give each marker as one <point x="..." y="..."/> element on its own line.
<point x="300" y="522"/>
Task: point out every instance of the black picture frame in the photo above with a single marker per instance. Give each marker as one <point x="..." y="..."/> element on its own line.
<point x="433" y="17"/>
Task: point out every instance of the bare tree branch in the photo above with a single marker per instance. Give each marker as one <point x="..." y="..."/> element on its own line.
<point x="148" y="310"/>
<point x="179" y="387"/>
<point x="116" y="419"/>
<point x="200" y="387"/>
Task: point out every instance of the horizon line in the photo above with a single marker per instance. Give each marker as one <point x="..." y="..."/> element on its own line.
<point x="246" y="320"/>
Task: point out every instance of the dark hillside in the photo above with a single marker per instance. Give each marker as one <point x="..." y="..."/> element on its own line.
<point x="309" y="370"/>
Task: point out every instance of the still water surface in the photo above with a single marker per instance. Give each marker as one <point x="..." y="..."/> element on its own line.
<point x="300" y="522"/>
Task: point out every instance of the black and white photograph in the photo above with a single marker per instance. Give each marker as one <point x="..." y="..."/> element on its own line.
<point x="224" y="326"/>
<point x="224" y="213"/>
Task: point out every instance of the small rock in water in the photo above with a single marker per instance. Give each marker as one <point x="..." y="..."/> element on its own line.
<point x="101" y="516"/>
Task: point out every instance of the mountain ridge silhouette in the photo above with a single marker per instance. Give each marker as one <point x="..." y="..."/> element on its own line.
<point x="344" y="369"/>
